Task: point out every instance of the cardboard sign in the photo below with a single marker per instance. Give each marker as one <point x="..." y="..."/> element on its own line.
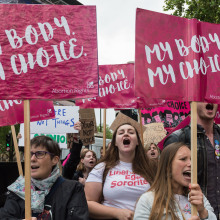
<point x="123" y="119"/>
<point x="87" y="119"/>
<point x="65" y="118"/>
<point x="12" y="111"/>
<point x="176" y="62"/>
<point x="48" y="52"/>
<point x="154" y="133"/>
<point x="116" y="88"/>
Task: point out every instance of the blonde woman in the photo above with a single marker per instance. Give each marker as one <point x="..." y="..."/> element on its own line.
<point x="88" y="160"/>
<point x="152" y="151"/>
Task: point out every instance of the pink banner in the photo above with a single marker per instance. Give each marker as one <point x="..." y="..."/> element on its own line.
<point x="176" y="58"/>
<point x="170" y="114"/>
<point x="12" y="111"/>
<point x="116" y="88"/>
<point x="183" y="124"/>
<point x="48" y="52"/>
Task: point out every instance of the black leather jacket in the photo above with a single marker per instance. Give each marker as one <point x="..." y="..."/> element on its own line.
<point x="184" y="135"/>
<point x="67" y="203"/>
<point x="69" y="168"/>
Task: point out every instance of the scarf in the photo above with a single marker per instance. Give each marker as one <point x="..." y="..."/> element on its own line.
<point x="37" y="196"/>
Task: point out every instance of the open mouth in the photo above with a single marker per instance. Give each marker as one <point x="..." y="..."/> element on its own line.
<point x="91" y="162"/>
<point x="209" y="106"/>
<point x="126" y="141"/>
<point x="187" y="174"/>
<point x="34" y="167"/>
<point x="152" y="154"/>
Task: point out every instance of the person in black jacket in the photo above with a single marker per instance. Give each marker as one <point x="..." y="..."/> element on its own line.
<point x="52" y="196"/>
<point x="80" y="162"/>
<point x="208" y="152"/>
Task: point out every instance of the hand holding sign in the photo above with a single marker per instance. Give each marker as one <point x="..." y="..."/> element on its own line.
<point x="77" y="126"/>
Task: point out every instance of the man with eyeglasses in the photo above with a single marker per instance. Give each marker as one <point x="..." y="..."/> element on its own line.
<point x="52" y="196"/>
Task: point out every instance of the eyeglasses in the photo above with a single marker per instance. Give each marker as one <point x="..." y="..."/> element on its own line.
<point x="40" y="154"/>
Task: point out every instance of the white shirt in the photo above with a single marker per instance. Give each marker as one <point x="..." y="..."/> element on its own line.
<point x="122" y="187"/>
<point x="144" y="207"/>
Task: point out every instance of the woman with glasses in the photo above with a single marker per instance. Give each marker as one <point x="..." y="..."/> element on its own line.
<point x="52" y="196"/>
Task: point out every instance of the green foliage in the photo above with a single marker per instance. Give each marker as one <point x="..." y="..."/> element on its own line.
<point x="108" y="131"/>
<point x="203" y="10"/>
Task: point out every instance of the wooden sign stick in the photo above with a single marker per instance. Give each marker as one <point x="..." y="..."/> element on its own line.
<point x="141" y="126"/>
<point x="104" y="132"/>
<point x="194" y="149"/>
<point x="18" y="159"/>
<point x="27" y="162"/>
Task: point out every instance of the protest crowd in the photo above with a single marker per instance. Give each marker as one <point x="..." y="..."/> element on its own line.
<point x="162" y="161"/>
<point x="131" y="181"/>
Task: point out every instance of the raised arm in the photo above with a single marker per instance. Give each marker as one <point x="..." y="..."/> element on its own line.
<point x="74" y="159"/>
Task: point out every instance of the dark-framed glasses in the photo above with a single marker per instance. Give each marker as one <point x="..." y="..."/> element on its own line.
<point x="40" y="154"/>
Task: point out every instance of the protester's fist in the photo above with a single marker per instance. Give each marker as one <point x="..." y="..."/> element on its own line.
<point x="77" y="126"/>
<point x="196" y="199"/>
<point x="82" y="180"/>
<point x="19" y="136"/>
<point x="124" y="214"/>
<point x="196" y="196"/>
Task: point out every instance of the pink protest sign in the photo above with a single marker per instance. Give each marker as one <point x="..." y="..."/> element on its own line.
<point x="176" y="58"/>
<point x="12" y="111"/>
<point x="116" y="88"/>
<point x="183" y="124"/>
<point x="48" y="52"/>
<point x="170" y="114"/>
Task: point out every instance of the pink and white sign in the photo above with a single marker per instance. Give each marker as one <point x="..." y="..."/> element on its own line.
<point x="176" y="58"/>
<point x="12" y="111"/>
<point x="170" y="114"/>
<point x="48" y="52"/>
<point x="116" y="88"/>
<point x="183" y="124"/>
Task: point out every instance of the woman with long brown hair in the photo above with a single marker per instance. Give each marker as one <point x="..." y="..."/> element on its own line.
<point x="167" y="198"/>
<point x="87" y="162"/>
<point x="124" y="173"/>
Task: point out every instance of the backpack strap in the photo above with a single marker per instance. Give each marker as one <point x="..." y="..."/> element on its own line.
<point x="53" y="189"/>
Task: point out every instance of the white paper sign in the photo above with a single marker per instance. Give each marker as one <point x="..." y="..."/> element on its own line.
<point x="56" y="128"/>
<point x="59" y="138"/>
<point x="65" y="118"/>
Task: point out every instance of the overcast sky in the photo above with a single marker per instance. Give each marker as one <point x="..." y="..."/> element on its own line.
<point x="116" y="32"/>
<point x="116" y="27"/>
